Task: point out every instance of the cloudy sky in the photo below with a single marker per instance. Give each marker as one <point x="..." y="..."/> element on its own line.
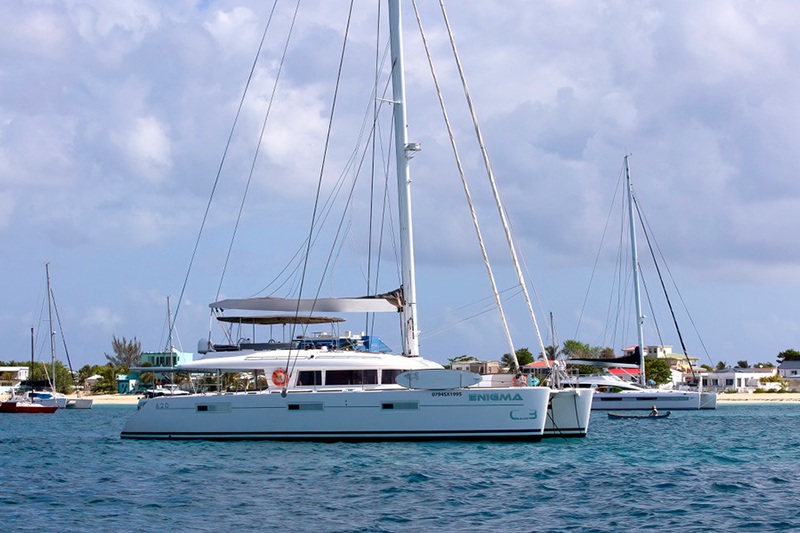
<point x="114" y="118"/>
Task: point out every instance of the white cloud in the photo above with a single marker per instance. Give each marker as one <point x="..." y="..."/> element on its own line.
<point x="102" y="318"/>
<point x="147" y="147"/>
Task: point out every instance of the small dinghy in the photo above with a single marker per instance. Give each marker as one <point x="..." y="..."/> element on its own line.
<point x="620" y="415"/>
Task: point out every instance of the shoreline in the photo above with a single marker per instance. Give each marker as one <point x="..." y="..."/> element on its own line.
<point x="722" y="398"/>
<point x="757" y="397"/>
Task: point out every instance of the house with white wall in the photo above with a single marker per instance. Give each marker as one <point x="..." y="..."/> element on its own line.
<point x="11" y="377"/>
<point x="742" y="379"/>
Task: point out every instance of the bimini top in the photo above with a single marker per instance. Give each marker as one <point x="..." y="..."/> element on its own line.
<point x="380" y="303"/>
<point x="280" y="319"/>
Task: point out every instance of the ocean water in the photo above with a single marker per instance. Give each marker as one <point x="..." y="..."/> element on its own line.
<point x="735" y="468"/>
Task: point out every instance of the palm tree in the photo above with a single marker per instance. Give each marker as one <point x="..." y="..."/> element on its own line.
<point x="108" y="382"/>
<point x="509" y="362"/>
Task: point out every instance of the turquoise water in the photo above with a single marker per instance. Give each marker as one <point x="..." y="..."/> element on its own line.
<point x="735" y="468"/>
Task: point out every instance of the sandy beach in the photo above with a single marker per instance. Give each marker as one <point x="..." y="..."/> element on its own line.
<point x="758" y="397"/>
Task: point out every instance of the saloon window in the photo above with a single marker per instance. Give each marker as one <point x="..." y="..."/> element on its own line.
<point x="351" y="377"/>
<point x="388" y="375"/>
<point x="308" y="378"/>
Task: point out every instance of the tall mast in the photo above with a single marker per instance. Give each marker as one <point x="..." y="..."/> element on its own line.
<point x="52" y="330"/>
<point x="402" y="151"/>
<point x="635" y="256"/>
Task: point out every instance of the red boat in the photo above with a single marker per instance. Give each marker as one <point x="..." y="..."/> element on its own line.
<point x="21" y="405"/>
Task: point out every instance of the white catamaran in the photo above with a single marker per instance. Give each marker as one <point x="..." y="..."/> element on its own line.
<point x="331" y="391"/>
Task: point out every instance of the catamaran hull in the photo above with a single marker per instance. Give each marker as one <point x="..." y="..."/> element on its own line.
<point x="26" y="407"/>
<point x="663" y="400"/>
<point x="569" y="412"/>
<point x="359" y="415"/>
<point x="79" y="403"/>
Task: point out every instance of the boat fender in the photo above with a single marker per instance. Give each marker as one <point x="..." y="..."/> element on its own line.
<point x="279" y="377"/>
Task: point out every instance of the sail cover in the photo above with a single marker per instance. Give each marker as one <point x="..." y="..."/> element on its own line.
<point x="628" y="361"/>
<point x="381" y="303"/>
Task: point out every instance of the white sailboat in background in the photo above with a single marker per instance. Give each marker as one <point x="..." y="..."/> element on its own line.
<point x="320" y="391"/>
<point x="611" y="392"/>
<point x="52" y="397"/>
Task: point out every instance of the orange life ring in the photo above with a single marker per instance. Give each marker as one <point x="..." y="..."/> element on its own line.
<point x="519" y="380"/>
<point x="279" y="377"/>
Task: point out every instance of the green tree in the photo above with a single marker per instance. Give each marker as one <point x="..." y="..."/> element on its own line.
<point x="741" y="364"/>
<point x="788" y="355"/>
<point x="524" y="357"/>
<point x="147" y="378"/>
<point x="84" y="372"/>
<point x="508" y="362"/>
<point x="44" y="372"/>
<point x="577" y="350"/>
<point x="721" y="365"/>
<point x="607" y="353"/>
<point x="127" y="354"/>
<point x="107" y="384"/>
<point x="707" y="367"/>
<point x="551" y="352"/>
<point x="657" y="370"/>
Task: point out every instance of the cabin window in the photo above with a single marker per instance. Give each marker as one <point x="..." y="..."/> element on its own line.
<point x="214" y="408"/>
<point x="388" y="375"/>
<point x="397" y="406"/>
<point x="309" y="378"/>
<point x="305" y="407"/>
<point x="351" y="377"/>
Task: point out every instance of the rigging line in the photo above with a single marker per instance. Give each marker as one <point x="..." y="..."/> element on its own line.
<point x="622" y="282"/>
<point x="318" y="192"/>
<point x="387" y="218"/>
<point x="63" y="339"/>
<point x="490" y="175"/>
<point x="486" y="309"/>
<point x="599" y="250"/>
<point x="372" y="162"/>
<point x="358" y="163"/>
<point x="381" y="232"/>
<point x="330" y="199"/>
<point x="258" y="144"/>
<point x="526" y="268"/>
<point x="219" y="169"/>
<point x="678" y="291"/>
<point x="652" y="310"/>
<point x="375" y="108"/>
<point x="666" y="296"/>
<point x="465" y="186"/>
<point x="437" y="331"/>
